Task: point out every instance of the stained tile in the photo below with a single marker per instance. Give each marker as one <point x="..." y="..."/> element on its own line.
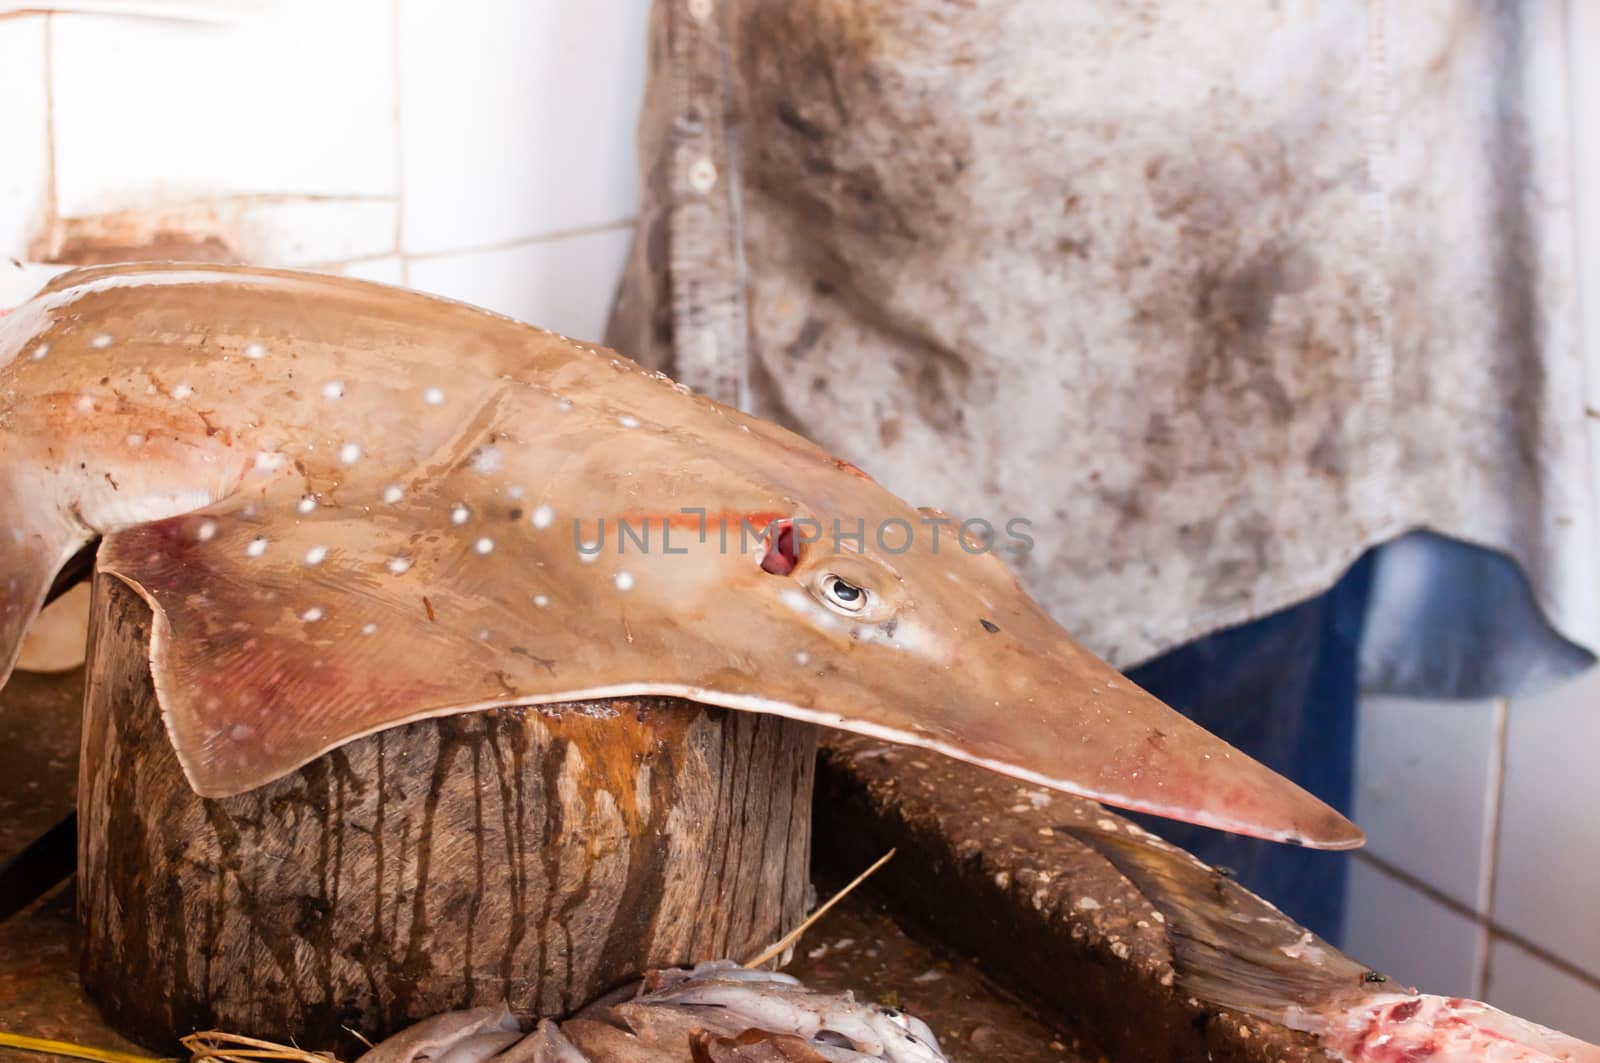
<point x="564" y="285"/>
<point x="1548" y="873"/>
<point x="295" y="100"/>
<point x="1409" y="935"/>
<point x="1525" y="985"/>
<point x="1423" y="781"/>
<point x="517" y="119"/>
<point x="24" y="157"/>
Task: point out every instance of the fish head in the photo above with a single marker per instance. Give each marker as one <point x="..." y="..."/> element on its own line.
<point x="822" y="596"/>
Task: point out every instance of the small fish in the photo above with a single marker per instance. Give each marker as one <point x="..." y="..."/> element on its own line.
<point x="351" y="506"/>
<point x="1235" y="951"/>
<point x="716" y="1011"/>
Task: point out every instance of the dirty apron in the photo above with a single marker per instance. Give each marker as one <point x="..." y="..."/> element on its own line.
<point x="1219" y="295"/>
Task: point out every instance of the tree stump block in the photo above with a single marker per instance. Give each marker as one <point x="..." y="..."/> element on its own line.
<point x="536" y="855"/>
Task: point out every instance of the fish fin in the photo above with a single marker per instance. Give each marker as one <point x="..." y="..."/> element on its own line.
<point x="255" y="613"/>
<point x="1230" y="948"/>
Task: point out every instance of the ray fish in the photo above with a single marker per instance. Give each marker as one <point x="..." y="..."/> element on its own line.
<point x="350" y="506"/>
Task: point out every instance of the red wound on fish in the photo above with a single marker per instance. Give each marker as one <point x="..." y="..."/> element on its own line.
<point x="783" y="552"/>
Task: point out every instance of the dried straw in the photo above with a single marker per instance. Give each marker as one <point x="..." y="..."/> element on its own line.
<point x="777" y="947"/>
<point x="236" y="1048"/>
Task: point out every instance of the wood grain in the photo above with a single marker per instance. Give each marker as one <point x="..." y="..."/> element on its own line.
<point x="536" y="855"/>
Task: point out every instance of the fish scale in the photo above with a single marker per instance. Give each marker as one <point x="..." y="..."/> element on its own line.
<point x="351" y="506"/>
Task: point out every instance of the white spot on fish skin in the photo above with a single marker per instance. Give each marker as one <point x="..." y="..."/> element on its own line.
<point x="543" y="516"/>
<point x="207" y="531"/>
<point x="564" y="404"/>
<point x="101" y="342"/>
<point x="514" y="492"/>
<point x="350" y="453"/>
<point x="541" y="600"/>
<point x="312" y="615"/>
<point x="623" y="580"/>
<point x="257" y="547"/>
<point x="801" y="602"/>
<point x="254" y="351"/>
<point x="270" y="460"/>
<point x="398" y="565"/>
<point x="41" y="351"/>
<point x="307" y="504"/>
<point x="460" y="514"/>
<point x="484" y="545"/>
<point x="182" y="391"/>
<point x="333" y="389"/>
<point x="433" y="397"/>
<point x="483" y="634"/>
<point x="85" y="404"/>
<point x="802" y="658"/>
<point x="134" y="440"/>
<point x="316" y="555"/>
<point x="393" y="494"/>
<point x="628" y="421"/>
<point x="486" y="460"/>
<point x="369" y="629"/>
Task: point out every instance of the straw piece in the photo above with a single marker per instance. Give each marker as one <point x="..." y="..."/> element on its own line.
<point x="777" y="947"/>
<point x="224" y="1046"/>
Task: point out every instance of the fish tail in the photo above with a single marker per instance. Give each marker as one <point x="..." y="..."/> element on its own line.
<point x="1230" y="948"/>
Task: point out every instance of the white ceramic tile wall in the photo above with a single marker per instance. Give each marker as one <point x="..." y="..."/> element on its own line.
<point x="1524" y="985"/>
<point x="486" y="149"/>
<point x="564" y="285"/>
<point x="296" y="101"/>
<point x="25" y="157"/>
<point x="509" y="114"/>
<point x="1423" y="792"/>
<point x="1410" y="936"/>
<point x="1547" y="887"/>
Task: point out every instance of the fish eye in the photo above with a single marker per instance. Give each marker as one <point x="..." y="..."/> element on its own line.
<point x="844" y="596"/>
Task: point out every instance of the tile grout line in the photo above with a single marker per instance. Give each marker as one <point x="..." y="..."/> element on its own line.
<point x="399" y="147"/>
<point x="1490" y="872"/>
<point x="525" y="241"/>
<point x="327" y="265"/>
<point x="1444" y="900"/>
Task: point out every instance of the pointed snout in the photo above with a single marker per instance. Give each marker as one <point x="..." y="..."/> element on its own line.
<point x="1041" y="707"/>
